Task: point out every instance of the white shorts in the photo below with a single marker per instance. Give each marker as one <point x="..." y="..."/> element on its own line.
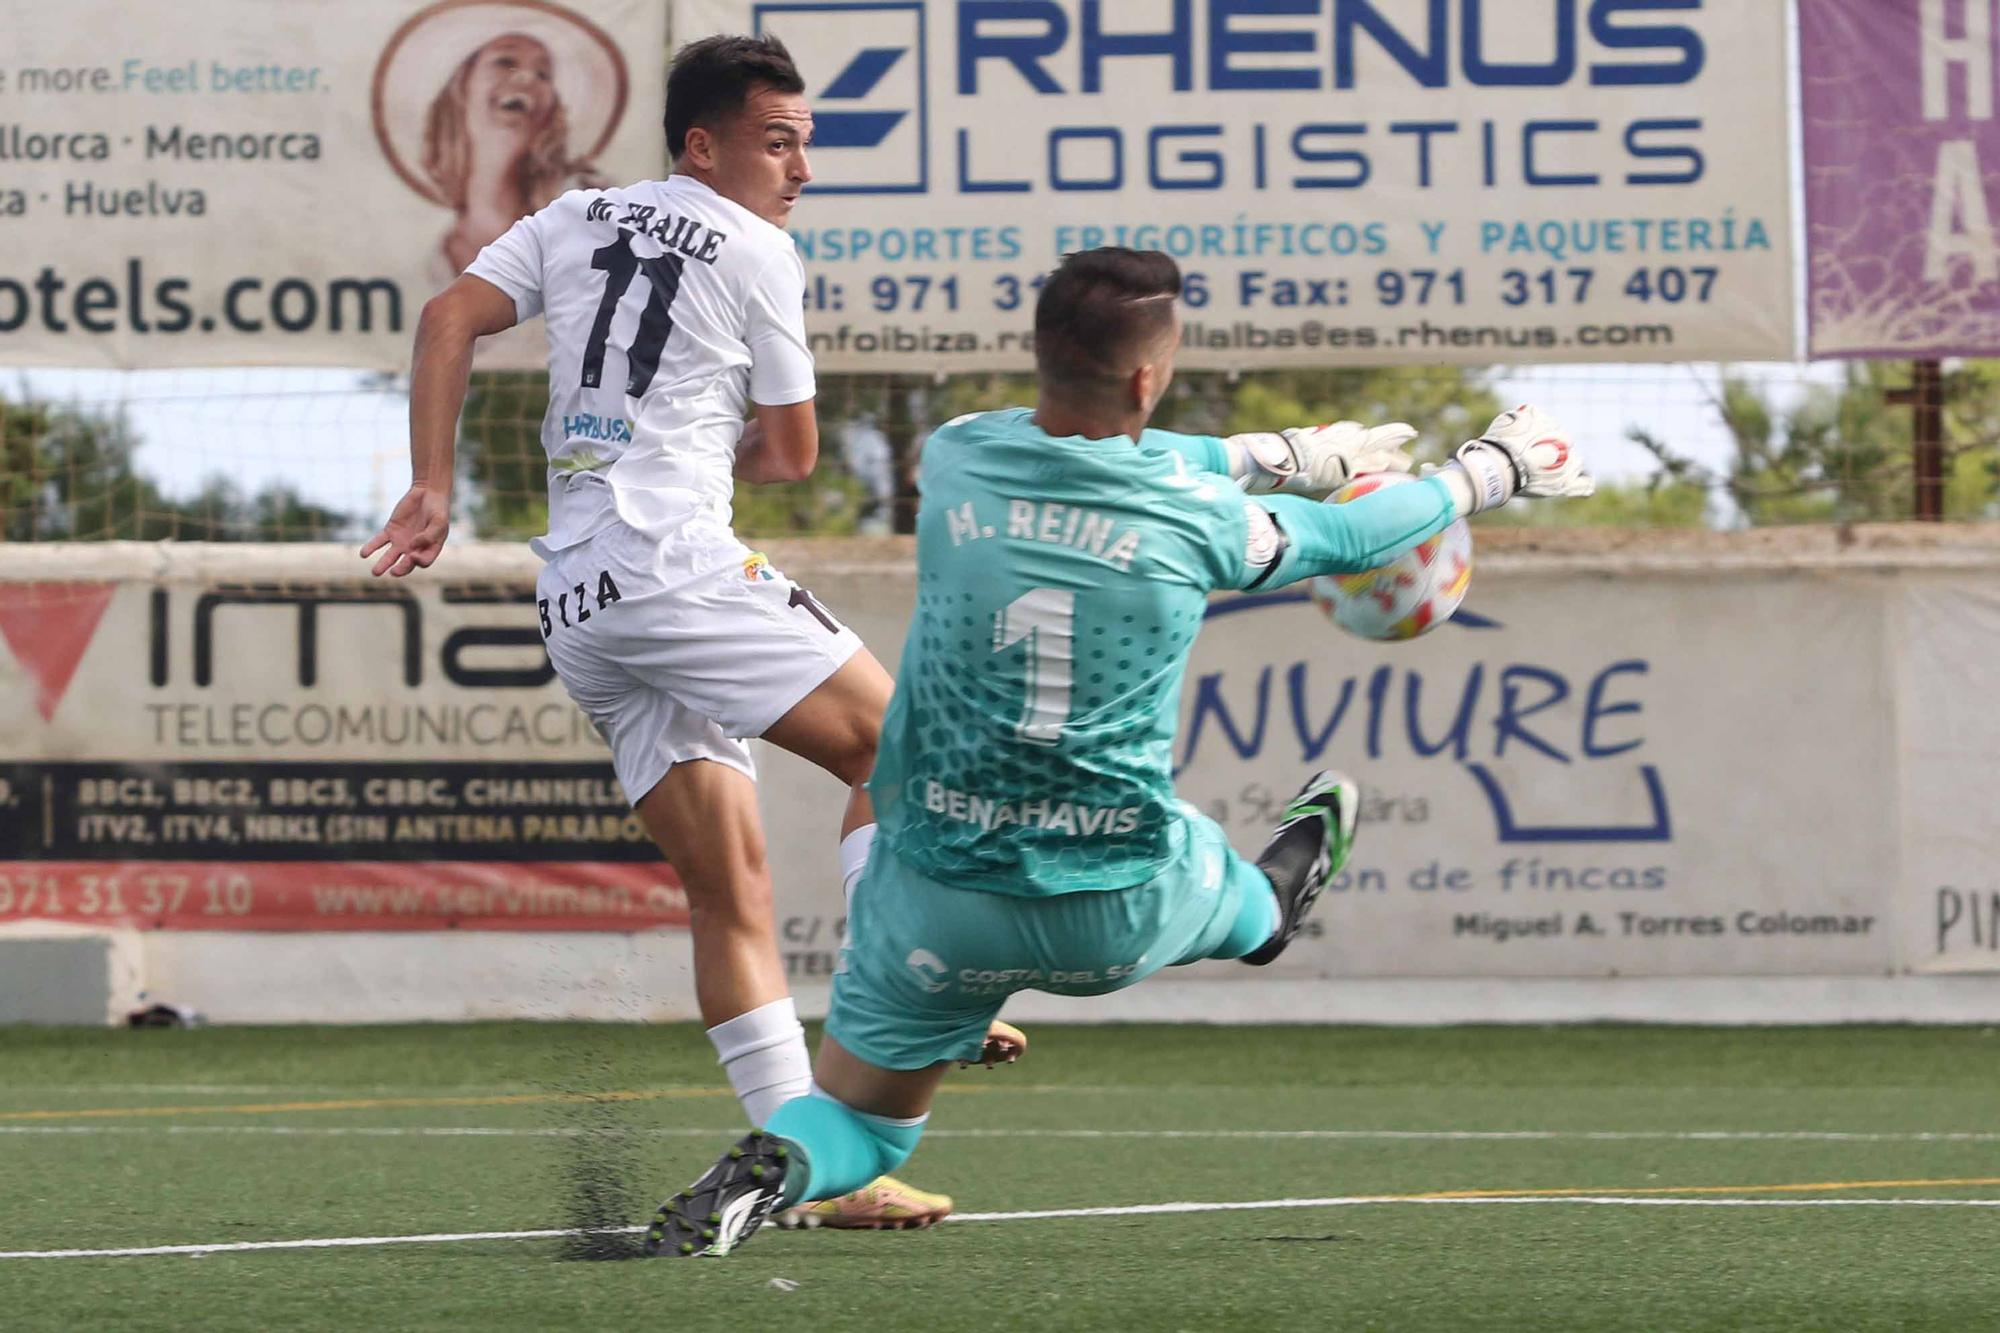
<point x="678" y="645"/>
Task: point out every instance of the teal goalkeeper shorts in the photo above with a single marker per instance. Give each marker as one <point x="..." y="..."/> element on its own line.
<point x="926" y="967"/>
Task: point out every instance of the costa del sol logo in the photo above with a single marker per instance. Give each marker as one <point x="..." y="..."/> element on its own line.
<point x="931" y="970"/>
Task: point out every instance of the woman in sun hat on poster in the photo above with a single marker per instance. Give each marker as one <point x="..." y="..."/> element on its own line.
<point x="492" y="108"/>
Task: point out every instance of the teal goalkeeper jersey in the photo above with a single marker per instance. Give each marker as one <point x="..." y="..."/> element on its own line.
<point x="1060" y="583"/>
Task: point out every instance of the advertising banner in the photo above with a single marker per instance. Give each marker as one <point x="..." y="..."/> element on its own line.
<point x="1607" y="768"/>
<point x="1901" y="152"/>
<point x="246" y="183"/>
<point x="1660" y="779"/>
<point x="1342" y="181"/>
<point x="312" y="753"/>
<point x="1951" y="787"/>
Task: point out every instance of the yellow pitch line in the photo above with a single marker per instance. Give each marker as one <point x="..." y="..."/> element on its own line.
<point x="1816" y="1187"/>
<point x="368" y="1104"/>
<point x="659" y="1094"/>
<point x="389" y="1103"/>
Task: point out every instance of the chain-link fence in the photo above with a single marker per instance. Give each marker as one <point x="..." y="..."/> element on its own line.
<point x="235" y="455"/>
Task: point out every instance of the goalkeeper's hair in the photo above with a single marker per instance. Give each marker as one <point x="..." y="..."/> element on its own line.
<point x="713" y="78"/>
<point x="1100" y="316"/>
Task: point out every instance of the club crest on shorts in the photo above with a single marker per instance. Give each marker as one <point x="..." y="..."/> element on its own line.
<point x="757" y="567"/>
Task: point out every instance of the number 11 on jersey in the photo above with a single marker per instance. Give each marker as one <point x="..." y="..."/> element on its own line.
<point x="656" y="322"/>
<point x="1045" y="618"/>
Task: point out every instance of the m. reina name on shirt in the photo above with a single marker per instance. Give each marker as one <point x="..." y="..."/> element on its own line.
<point x="1048" y="816"/>
<point x="1085" y="530"/>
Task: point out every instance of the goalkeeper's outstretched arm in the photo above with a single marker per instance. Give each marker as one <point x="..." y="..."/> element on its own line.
<point x="1304" y="538"/>
<point x="1522" y="453"/>
<point x="1311" y="460"/>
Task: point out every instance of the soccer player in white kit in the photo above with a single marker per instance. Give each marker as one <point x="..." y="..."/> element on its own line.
<point x="673" y="307"/>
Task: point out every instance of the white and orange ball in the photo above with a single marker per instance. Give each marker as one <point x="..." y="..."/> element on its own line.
<point x="1412" y="594"/>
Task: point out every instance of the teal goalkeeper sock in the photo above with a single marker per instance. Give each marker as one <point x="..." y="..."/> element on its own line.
<point x="1256" y="920"/>
<point x="843" y="1148"/>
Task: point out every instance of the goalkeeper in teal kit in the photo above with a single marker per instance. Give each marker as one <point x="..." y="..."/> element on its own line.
<point x="1029" y="834"/>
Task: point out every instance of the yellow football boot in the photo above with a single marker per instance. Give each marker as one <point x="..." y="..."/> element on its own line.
<point x="886" y="1205"/>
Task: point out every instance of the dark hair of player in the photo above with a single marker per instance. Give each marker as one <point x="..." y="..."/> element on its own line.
<point x="1101" y="315"/>
<point x="711" y="79"/>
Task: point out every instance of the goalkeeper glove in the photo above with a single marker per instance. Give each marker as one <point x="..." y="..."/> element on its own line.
<point x="1314" y="460"/>
<point x="1524" y="452"/>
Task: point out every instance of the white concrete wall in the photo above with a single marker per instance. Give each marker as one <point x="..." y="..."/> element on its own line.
<point x="1765" y="794"/>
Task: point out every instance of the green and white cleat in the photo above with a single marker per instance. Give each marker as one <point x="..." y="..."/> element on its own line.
<point x="1311" y="845"/>
<point x="725" y="1207"/>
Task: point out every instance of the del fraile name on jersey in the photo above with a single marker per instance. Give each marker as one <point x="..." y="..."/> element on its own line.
<point x="685" y="235"/>
<point x="1088" y="530"/>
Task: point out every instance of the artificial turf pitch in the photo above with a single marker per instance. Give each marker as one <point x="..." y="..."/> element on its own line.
<point x="1605" y="1178"/>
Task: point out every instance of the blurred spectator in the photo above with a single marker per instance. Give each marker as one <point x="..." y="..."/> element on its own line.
<point x="872" y="463"/>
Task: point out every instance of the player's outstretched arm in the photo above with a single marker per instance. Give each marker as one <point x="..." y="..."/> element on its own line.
<point x="1316" y="460"/>
<point x="1313" y="538"/>
<point x="1524" y="452"/>
<point x="1203" y="453"/>
<point x="781" y="444"/>
<point x="1306" y="460"/>
<point x="452" y="321"/>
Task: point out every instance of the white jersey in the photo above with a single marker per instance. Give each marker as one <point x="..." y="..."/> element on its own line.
<point x="669" y="310"/>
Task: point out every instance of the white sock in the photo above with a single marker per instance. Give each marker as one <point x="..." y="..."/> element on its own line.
<point x="854" y="859"/>
<point x="764" y="1054"/>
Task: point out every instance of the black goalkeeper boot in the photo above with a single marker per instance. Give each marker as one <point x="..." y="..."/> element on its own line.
<point x="1311" y="845"/>
<point x="725" y="1207"/>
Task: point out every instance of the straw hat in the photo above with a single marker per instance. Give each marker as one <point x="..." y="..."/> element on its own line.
<point x="422" y="55"/>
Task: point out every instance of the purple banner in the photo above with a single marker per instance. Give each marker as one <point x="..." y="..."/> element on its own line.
<point x="1902" y="170"/>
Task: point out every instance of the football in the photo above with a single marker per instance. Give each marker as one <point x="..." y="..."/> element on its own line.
<point x="1410" y="595"/>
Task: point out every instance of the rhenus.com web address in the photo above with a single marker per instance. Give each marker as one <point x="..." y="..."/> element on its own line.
<point x="1244" y="335"/>
<point x="137" y="300"/>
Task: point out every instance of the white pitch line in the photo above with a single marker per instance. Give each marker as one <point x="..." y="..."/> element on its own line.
<point x="325" y="1243"/>
<point x="1364" y="1200"/>
<point x="1495" y="1135"/>
<point x="356" y="1131"/>
<point x="1327" y="1135"/>
<point x="1036" y="1215"/>
<point x="296" y="1089"/>
<point x="517" y="1086"/>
